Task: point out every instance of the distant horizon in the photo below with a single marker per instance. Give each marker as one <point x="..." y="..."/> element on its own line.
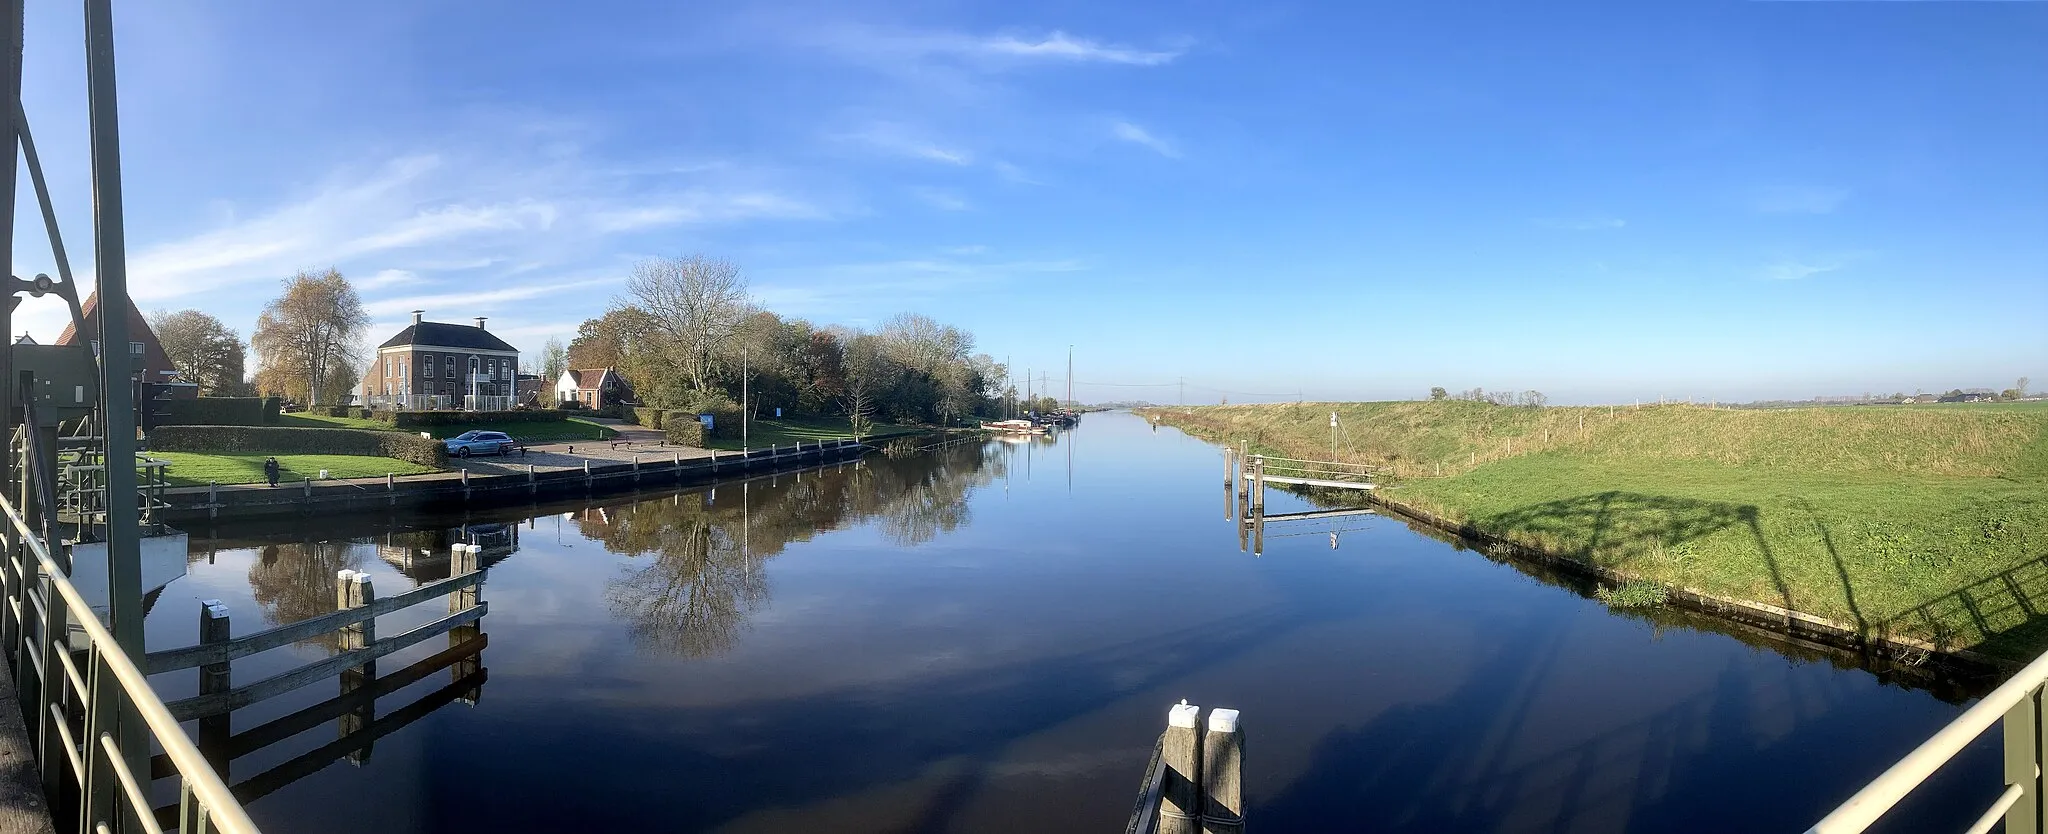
<point x="1331" y="201"/>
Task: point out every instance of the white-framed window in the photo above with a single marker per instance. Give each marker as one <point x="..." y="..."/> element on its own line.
<point x="136" y="349"/>
<point x="95" y="348"/>
<point x="387" y="367"/>
<point x="427" y="365"/>
<point x="449" y="365"/>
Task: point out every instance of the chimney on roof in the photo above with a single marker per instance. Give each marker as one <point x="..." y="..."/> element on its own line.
<point x="480" y="322"/>
<point x="416" y="317"/>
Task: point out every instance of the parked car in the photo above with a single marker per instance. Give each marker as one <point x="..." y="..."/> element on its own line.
<point x="480" y="443"/>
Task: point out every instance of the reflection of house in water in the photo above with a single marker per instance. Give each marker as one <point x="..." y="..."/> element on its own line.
<point x="422" y="555"/>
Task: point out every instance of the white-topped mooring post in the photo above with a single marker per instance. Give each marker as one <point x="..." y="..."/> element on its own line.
<point x="1180" y="792"/>
<point x="1223" y="774"/>
<point x="215" y="678"/>
<point x="353" y="589"/>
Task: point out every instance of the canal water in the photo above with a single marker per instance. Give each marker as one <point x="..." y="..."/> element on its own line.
<point x="987" y="637"/>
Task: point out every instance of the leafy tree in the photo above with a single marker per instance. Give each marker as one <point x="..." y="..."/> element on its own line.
<point x="205" y="351"/>
<point x="1438" y="393"/>
<point x="306" y="339"/>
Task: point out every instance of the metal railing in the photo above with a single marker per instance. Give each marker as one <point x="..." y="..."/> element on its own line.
<point x="1319" y="469"/>
<point x="78" y="704"/>
<point x="2017" y="704"/>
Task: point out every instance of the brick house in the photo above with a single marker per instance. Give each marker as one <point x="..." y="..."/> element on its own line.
<point x="152" y="365"/>
<point x="593" y="387"/>
<point x="437" y="366"/>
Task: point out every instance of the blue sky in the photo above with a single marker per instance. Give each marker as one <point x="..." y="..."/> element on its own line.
<point x="1337" y="201"/>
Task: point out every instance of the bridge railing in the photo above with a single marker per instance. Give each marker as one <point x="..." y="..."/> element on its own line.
<point x="82" y="702"/>
<point x="2017" y="706"/>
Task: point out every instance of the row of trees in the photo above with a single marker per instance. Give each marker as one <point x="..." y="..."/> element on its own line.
<point x="1526" y="399"/>
<point x="689" y="336"/>
<point x="307" y="342"/>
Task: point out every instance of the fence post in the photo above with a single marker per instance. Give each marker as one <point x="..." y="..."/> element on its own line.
<point x="1223" y="774"/>
<point x="352" y="589"/>
<point x="2023" y="763"/>
<point x="1180" y="751"/>
<point x="463" y="561"/>
<point x="214" y="730"/>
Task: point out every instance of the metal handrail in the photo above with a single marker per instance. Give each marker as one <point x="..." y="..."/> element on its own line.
<point x="1891" y="786"/>
<point x="223" y="812"/>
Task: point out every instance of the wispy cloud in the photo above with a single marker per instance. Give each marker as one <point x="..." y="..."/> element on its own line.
<point x="895" y="44"/>
<point x="1062" y="46"/>
<point x="1139" y="136"/>
<point x="941" y="199"/>
<point x="1798" y="270"/>
<point x="1012" y="173"/>
<point x="898" y="140"/>
<point x="1581" y="224"/>
<point x="703" y="206"/>
<point x="480" y="300"/>
<point x="844" y="290"/>
<point x="385" y="279"/>
<point x="1799" y="199"/>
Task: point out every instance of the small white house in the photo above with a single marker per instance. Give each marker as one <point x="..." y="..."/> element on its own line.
<point x="593" y="387"/>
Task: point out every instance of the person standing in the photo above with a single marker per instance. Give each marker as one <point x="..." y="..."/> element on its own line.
<point x="270" y="470"/>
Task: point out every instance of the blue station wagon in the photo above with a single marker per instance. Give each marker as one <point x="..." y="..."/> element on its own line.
<point x="480" y="443"/>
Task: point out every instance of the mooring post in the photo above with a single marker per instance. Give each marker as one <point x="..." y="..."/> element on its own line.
<point x="390" y="482"/>
<point x="1180" y="754"/>
<point x="1223" y="774"/>
<point x="353" y="589"/>
<point x="214" y="678"/>
<point x="2024" y="755"/>
<point x="465" y="483"/>
<point x="530" y="486"/>
<point x="1227" y="476"/>
<point x="212" y="503"/>
<point x="464" y="560"/>
<point x="1259" y="485"/>
<point x="307" y="487"/>
<point x="636" y="469"/>
<point x="586" y="473"/>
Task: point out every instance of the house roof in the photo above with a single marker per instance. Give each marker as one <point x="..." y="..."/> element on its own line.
<point x="443" y="334"/>
<point x="586" y="379"/>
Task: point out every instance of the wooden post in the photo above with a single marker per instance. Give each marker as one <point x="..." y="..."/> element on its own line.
<point x="530" y="486"/>
<point x="212" y="505"/>
<point x="463" y="560"/>
<point x="1229" y="474"/>
<point x="586" y="473"/>
<point x="214" y="730"/>
<point x="1259" y="485"/>
<point x="636" y="469"/>
<point x="1180" y="753"/>
<point x="1223" y="774"/>
<point x="307" y="486"/>
<point x="352" y="589"/>
<point x="390" y="482"/>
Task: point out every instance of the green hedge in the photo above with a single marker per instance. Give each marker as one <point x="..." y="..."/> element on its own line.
<point x="217" y="411"/>
<point x="652" y="418"/>
<point x="272" y="407"/>
<point x="423" y="419"/>
<point x="683" y="428"/>
<point x="725" y="418"/>
<point x="281" y="440"/>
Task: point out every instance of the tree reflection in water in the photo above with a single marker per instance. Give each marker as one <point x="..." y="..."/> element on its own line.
<point x="707" y="548"/>
<point x="296" y="580"/>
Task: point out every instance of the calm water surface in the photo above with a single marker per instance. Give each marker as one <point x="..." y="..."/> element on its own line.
<point x="987" y="638"/>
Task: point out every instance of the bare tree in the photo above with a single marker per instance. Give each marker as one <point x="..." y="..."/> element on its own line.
<point x="205" y="351"/>
<point x="306" y="338"/>
<point x="1534" y="399"/>
<point x="554" y="359"/>
<point x="868" y="372"/>
<point x="697" y="303"/>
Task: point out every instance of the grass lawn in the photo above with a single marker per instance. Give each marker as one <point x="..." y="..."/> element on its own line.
<point x="1930" y="523"/>
<point x="763" y="433"/>
<point x="195" y="469"/>
<point x="574" y="428"/>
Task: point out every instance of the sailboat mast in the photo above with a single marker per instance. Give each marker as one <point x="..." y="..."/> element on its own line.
<point x="1070" y="376"/>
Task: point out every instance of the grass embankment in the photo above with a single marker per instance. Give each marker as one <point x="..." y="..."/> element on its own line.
<point x="1929" y="523"/>
<point x="764" y="433"/>
<point x="195" y="469"/>
<point x="573" y="428"/>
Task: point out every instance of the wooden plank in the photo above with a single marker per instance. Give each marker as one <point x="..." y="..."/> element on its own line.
<point x="203" y="705"/>
<point x="1315" y="514"/>
<point x="170" y="660"/>
<point x="1145" y="815"/>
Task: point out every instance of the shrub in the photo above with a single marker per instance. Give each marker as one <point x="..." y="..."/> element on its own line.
<point x="218" y="411"/>
<point x="570" y="405"/>
<point x="272" y="406"/>
<point x="725" y="414"/>
<point x="335" y="410"/>
<point x="683" y="428"/>
<point x="282" y="440"/>
<point x="644" y="416"/>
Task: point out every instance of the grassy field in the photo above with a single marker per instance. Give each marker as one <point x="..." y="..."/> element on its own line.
<point x="1924" y="522"/>
<point x="761" y="433"/>
<point x="193" y="469"/>
<point x="574" y="428"/>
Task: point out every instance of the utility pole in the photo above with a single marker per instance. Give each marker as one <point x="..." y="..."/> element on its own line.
<point x="744" y="413"/>
<point x="1183" y="390"/>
